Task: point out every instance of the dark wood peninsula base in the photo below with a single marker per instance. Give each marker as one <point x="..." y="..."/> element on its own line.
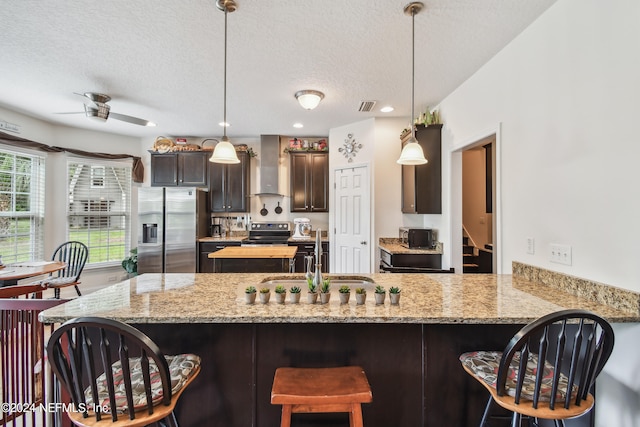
<point x="413" y="369"/>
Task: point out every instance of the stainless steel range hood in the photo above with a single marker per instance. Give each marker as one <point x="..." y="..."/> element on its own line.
<point x="269" y="154"/>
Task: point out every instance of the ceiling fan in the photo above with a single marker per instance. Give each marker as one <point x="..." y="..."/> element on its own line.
<point x="96" y="107"/>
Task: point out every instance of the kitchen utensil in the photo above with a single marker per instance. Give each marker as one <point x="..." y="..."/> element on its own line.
<point x="264" y="210"/>
<point x="278" y="209"/>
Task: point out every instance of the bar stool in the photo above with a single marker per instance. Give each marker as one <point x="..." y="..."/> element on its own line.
<point x="321" y="390"/>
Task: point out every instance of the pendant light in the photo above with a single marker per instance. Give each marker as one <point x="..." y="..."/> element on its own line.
<point x="224" y="152"/>
<point x="412" y="153"/>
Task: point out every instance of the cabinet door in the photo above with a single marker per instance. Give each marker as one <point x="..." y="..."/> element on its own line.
<point x="408" y="189"/>
<point x="319" y="183"/>
<point x="164" y="170"/>
<point x="217" y="200"/>
<point x="299" y="177"/>
<point x="192" y="168"/>
<point x="236" y="184"/>
<point x="205" y="264"/>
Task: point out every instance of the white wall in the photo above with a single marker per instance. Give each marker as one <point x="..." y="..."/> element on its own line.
<point x="565" y="93"/>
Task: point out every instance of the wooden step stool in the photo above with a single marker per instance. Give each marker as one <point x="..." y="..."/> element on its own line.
<point x="316" y="390"/>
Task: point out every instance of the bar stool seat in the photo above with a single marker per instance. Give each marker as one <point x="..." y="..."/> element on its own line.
<point x="321" y="390"/>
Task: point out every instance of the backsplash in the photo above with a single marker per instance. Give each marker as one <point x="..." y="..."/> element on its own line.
<point x="622" y="299"/>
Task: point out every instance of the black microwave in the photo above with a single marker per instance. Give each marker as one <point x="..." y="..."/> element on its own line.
<point x="418" y="238"/>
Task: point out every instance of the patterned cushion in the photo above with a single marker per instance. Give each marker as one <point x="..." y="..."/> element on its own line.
<point x="484" y="364"/>
<point x="181" y="368"/>
<point x="58" y="282"/>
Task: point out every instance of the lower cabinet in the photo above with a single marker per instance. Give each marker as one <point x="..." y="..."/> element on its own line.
<point x="205" y="264"/>
<point x="410" y="263"/>
<point x="308" y="248"/>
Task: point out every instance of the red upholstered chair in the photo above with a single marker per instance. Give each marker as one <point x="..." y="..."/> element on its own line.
<point x="116" y="374"/>
<point x="548" y="368"/>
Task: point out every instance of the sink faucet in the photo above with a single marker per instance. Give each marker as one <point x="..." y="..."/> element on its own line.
<point x="317" y="276"/>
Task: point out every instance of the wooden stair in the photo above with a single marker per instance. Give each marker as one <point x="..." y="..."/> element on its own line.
<point x="469" y="258"/>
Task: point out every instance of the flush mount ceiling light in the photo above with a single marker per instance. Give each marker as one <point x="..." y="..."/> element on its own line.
<point x="309" y="99"/>
<point x="224" y="152"/>
<point x="412" y="153"/>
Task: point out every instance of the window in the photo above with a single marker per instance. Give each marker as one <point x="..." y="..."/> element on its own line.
<point x="99" y="208"/>
<point x="21" y="206"/>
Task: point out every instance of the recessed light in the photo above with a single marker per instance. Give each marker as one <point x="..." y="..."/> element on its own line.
<point x="223" y="124"/>
<point x="298" y="125"/>
<point x="387" y="109"/>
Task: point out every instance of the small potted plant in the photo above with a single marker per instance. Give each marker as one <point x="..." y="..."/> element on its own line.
<point x="250" y="294"/>
<point x="394" y="295"/>
<point x="265" y="294"/>
<point x="325" y="291"/>
<point x="281" y="293"/>
<point x="361" y="296"/>
<point x="344" y="293"/>
<point x="130" y="263"/>
<point x="294" y="294"/>
<point x="312" y="296"/>
<point x="380" y="293"/>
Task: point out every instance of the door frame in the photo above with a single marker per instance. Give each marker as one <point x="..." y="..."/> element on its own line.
<point x="456" y="196"/>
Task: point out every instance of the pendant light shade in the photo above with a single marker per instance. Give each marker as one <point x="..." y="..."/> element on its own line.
<point x="412" y="153"/>
<point x="224" y="151"/>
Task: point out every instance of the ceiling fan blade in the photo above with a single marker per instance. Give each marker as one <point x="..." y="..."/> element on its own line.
<point x="129" y="119"/>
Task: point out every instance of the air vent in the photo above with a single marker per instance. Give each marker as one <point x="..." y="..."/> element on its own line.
<point x="366" y="106"/>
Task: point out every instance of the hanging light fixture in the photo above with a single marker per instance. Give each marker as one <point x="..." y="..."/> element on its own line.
<point x="309" y="99"/>
<point x="224" y="152"/>
<point x="412" y="153"/>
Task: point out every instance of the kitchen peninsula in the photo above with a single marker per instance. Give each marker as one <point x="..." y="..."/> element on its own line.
<point x="409" y="351"/>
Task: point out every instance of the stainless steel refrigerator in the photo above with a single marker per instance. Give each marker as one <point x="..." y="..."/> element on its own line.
<point x="170" y="222"/>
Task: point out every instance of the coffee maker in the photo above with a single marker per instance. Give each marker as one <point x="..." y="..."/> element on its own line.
<point x="302" y="228"/>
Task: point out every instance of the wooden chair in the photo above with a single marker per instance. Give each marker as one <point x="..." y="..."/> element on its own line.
<point x="548" y="368"/>
<point x="75" y="255"/>
<point x="321" y="390"/>
<point x="115" y="375"/>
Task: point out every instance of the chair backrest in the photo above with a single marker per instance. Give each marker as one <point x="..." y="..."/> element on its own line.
<point x="75" y="255"/>
<point x="577" y="343"/>
<point x="83" y="349"/>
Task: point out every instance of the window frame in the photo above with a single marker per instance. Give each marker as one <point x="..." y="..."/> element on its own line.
<point x="36" y="212"/>
<point x="99" y="219"/>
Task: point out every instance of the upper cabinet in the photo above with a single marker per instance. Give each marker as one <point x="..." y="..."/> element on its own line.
<point x="186" y="168"/>
<point x="229" y="185"/>
<point x="309" y="181"/>
<point x="422" y="184"/>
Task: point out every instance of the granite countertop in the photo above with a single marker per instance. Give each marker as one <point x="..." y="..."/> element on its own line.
<point x="426" y="298"/>
<point x="394" y="247"/>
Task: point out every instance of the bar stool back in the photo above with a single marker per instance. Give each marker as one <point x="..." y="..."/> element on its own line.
<point x="548" y="368"/>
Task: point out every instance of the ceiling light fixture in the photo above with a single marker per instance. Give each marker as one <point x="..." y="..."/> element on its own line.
<point x="224" y="152"/>
<point x="298" y="125"/>
<point x="412" y="153"/>
<point x="309" y="99"/>
<point x="386" y="109"/>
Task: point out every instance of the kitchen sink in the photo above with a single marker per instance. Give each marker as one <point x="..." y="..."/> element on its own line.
<point x="336" y="281"/>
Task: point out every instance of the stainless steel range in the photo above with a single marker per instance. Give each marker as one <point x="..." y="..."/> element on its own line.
<point x="268" y="233"/>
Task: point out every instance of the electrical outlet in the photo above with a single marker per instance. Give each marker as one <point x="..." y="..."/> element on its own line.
<point x="113" y="279"/>
<point x="560" y="254"/>
<point x="531" y="245"/>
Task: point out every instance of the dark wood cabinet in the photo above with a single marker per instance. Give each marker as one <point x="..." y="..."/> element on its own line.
<point x="308" y="248"/>
<point x="309" y="181"/>
<point x="205" y="264"/>
<point x="422" y="184"/>
<point x="229" y="185"/>
<point x="188" y="169"/>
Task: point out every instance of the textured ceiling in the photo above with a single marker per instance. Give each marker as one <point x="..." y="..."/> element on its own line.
<point x="162" y="60"/>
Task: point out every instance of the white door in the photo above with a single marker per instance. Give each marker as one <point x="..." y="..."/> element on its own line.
<point x="352" y="220"/>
